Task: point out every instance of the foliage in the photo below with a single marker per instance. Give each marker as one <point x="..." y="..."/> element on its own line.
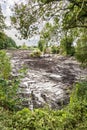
<point x="24" y="47"/>
<point x="2" y="20"/>
<point x="72" y="117"/>
<point x="41" y="45"/>
<point x="8" y="94"/>
<point x="23" y="18"/>
<point x="47" y="50"/>
<point x="46" y="31"/>
<point x="67" y="46"/>
<point x="36" y="53"/>
<point x="72" y="14"/>
<point x="8" y="88"/>
<point x="5" y="119"/>
<point x="6" y="42"/>
<point x="5" y="66"/>
<point x="26" y="16"/>
<point x="63" y="16"/>
<point x="81" y="49"/>
<point x="55" y="49"/>
<point x="46" y="36"/>
<point x="78" y="106"/>
<point x="75" y="15"/>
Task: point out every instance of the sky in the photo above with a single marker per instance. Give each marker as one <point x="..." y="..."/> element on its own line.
<point x="6" y="8"/>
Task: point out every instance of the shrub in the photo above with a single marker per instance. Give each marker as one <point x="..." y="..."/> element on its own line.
<point x="8" y="88"/>
<point x="8" y="94"/>
<point x="41" y="45"/>
<point x="70" y="118"/>
<point x="47" y="50"/>
<point x="36" y="53"/>
<point x="67" y="46"/>
<point x="55" y="49"/>
<point x="24" y="47"/>
<point x="81" y="50"/>
<point x="6" y="42"/>
<point x="5" y="66"/>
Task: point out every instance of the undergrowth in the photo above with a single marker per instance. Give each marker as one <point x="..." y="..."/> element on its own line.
<point x="72" y="117"/>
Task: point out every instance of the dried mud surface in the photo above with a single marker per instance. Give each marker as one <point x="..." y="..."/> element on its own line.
<point x="48" y="79"/>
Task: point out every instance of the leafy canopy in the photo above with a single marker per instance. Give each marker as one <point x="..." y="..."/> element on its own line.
<point x="2" y="20"/>
<point x="27" y="17"/>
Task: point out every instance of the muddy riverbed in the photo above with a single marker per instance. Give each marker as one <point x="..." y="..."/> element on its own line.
<point x="48" y="80"/>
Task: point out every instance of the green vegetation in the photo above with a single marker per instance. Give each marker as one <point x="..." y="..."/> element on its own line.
<point x="72" y="117"/>
<point x="24" y="47"/>
<point x="66" y="46"/>
<point x="8" y="85"/>
<point x="5" y="66"/>
<point x="74" y="14"/>
<point x="41" y="45"/>
<point x="71" y="19"/>
<point x="36" y="53"/>
<point x="6" y="42"/>
<point x="8" y="94"/>
<point x="55" y="49"/>
<point x="81" y="50"/>
<point x="59" y="19"/>
<point x="2" y="20"/>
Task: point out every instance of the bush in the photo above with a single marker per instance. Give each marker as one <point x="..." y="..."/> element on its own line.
<point x="41" y="45"/>
<point x="55" y="49"/>
<point x="8" y="88"/>
<point x="5" y="66"/>
<point x="72" y="117"/>
<point x="8" y="94"/>
<point x="36" y="53"/>
<point x="81" y="50"/>
<point x="67" y="46"/>
<point x="24" y="47"/>
<point x="77" y="107"/>
<point x="6" y="42"/>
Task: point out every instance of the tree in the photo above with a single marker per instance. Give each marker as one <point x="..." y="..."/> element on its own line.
<point x="46" y="36"/>
<point x="6" y="42"/>
<point x="72" y="12"/>
<point x="46" y="33"/>
<point x="23" y="18"/>
<point x="81" y="49"/>
<point x="5" y="66"/>
<point x="28" y="17"/>
<point x="2" y="20"/>
<point x="76" y="15"/>
<point x="70" y="15"/>
<point x="10" y="42"/>
<point x="67" y="45"/>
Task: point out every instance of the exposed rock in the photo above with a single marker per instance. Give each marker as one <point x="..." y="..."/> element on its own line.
<point x="47" y="80"/>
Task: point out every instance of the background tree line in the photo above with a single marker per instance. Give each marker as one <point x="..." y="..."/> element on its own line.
<point x="5" y="41"/>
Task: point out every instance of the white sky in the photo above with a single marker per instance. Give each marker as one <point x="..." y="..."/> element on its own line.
<point x="6" y="5"/>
